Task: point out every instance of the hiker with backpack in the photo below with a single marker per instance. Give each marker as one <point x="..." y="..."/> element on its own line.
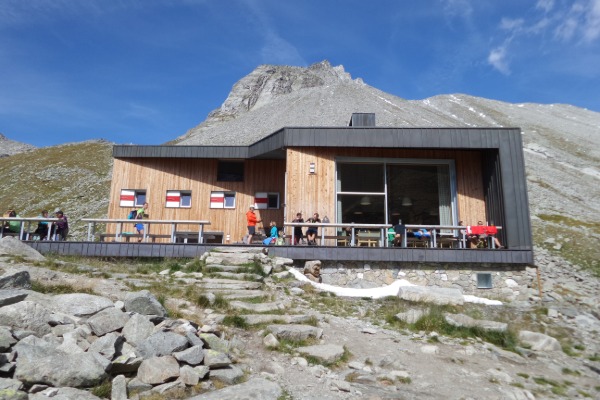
<point x="139" y="214"/>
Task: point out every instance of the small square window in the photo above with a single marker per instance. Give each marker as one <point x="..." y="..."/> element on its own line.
<point x="484" y="281"/>
<point x="222" y="200"/>
<point x="178" y="199"/>
<point x="266" y="200"/>
<point x="273" y="200"/>
<point x="132" y="198"/>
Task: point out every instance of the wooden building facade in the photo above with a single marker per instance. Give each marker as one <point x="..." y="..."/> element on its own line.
<point x="359" y="173"/>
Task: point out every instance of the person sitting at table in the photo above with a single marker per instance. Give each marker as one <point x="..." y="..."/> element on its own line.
<point x="43" y="226"/>
<point x="311" y="232"/>
<point x="477" y="236"/>
<point x="60" y="227"/>
<point x="12" y="226"/>
<point x="298" y="229"/>
<point x="399" y="231"/>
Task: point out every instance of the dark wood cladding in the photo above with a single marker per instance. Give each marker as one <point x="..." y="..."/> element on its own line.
<point x="298" y="253"/>
<point x="128" y="151"/>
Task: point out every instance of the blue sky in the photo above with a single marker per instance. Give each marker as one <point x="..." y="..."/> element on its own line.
<point x="145" y="71"/>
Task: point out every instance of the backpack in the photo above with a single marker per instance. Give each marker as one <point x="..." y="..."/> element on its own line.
<point x="132" y="214"/>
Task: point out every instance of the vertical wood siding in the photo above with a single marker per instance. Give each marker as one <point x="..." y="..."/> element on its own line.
<point x="157" y="175"/>
<point x="308" y="193"/>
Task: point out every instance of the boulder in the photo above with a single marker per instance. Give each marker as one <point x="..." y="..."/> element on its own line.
<point x="214" y="342"/>
<point x="189" y="375"/>
<point x="326" y="353"/>
<point x="215" y="359"/>
<point x="10" y="246"/>
<point x="107" y="345"/>
<point x="7" y="340"/>
<point x="229" y="375"/>
<point x="15" y="280"/>
<point x="157" y="370"/>
<point x="80" y="304"/>
<point x="254" y="389"/>
<point x="108" y="320"/>
<point x="468" y="322"/>
<point x="12" y="296"/>
<point x="63" y="393"/>
<point x="143" y="302"/>
<point x="162" y="344"/>
<point x="61" y="369"/>
<point x="295" y="332"/>
<point x="435" y="295"/>
<point x="27" y="316"/>
<point x="411" y="316"/>
<point x="539" y="342"/>
<point x="192" y="356"/>
<point x="137" y="328"/>
<point x="119" y="388"/>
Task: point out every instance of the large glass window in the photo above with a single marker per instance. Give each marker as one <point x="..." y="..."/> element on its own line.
<point x="230" y="171"/>
<point x="418" y="192"/>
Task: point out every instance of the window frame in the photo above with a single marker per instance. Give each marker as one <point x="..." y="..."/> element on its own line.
<point x="218" y="199"/>
<point x="131" y="198"/>
<point x="261" y="200"/>
<point x="176" y="198"/>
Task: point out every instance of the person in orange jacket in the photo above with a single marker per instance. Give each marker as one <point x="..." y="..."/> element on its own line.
<point x="252" y="221"/>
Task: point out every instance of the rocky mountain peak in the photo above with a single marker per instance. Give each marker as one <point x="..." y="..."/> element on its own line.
<point x="9" y="147"/>
<point x="267" y="83"/>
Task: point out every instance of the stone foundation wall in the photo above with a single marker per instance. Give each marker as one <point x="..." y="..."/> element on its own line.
<point x="509" y="282"/>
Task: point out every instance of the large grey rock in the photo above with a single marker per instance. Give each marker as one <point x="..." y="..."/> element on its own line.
<point x="73" y="370"/>
<point x="108" y="320"/>
<point x="189" y="375"/>
<point x="162" y="344"/>
<point x="468" y="322"/>
<point x="539" y="341"/>
<point x="254" y="389"/>
<point x="80" y="304"/>
<point x="15" y="280"/>
<point x="26" y="315"/>
<point x="426" y="294"/>
<point x="214" y="342"/>
<point x="7" y="384"/>
<point x="137" y="328"/>
<point x="192" y="356"/>
<point x="63" y="393"/>
<point x="107" y="345"/>
<point x="7" y="340"/>
<point x="215" y="359"/>
<point x="125" y="363"/>
<point x="411" y="316"/>
<point x="12" y="296"/>
<point x="156" y="370"/>
<point x="144" y="302"/>
<point x="326" y="353"/>
<point x="230" y="374"/>
<point x="11" y="246"/>
<point x="119" y="388"/>
<point x="229" y="284"/>
<point x="232" y="258"/>
<point x="295" y="332"/>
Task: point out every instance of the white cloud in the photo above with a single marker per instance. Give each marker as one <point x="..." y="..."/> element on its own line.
<point x="591" y="27"/>
<point x="497" y="59"/>
<point x="545" y="5"/>
<point x="511" y="24"/>
<point x="458" y="8"/>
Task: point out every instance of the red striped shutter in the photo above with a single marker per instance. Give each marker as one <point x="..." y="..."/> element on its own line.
<point x="127" y="198"/>
<point x="261" y="200"/>
<point x="173" y="198"/>
<point x="217" y="200"/>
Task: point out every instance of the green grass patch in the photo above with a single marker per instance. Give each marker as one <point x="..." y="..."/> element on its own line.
<point x="236" y="321"/>
<point x="37" y="286"/>
<point x="103" y="390"/>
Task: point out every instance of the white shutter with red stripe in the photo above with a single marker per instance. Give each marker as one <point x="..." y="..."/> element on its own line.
<point x="173" y="198"/>
<point x="217" y="200"/>
<point x="261" y="200"/>
<point x="127" y="198"/>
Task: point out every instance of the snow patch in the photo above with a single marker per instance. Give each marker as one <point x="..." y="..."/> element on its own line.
<point x="379" y="292"/>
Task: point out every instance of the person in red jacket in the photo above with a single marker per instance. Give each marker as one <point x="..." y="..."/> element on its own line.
<point x="252" y="221"/>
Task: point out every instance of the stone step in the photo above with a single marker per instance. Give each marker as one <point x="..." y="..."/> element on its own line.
<point x="241" y="276"/>
<point x="257" y="307"/>
<point x="225" y="268"/>
<point x="257" y="319"/>
<point x="228" y="284"/>
<point x="238" y="294"/>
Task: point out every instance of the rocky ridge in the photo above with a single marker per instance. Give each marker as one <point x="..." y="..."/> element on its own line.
<point x="9" y="147"/>
<point x="121" y="333"/>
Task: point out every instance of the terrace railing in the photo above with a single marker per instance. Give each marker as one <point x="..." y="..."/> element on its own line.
<point x="25" y="226"/>
<point x="120" y="234"/>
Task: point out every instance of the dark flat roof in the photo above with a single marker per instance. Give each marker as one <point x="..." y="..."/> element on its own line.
<point x="273" y="145"/>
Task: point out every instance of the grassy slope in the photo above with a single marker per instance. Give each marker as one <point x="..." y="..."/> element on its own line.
<point x="75" y="177"/>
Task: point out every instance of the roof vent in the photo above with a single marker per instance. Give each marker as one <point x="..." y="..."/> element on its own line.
<point x="360" y="120"/>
